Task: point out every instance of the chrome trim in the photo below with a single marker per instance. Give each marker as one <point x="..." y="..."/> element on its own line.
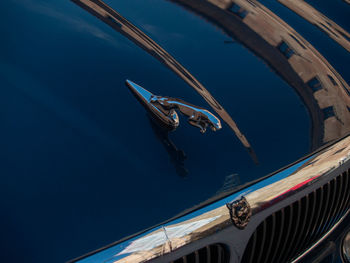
<point x="170" y="118"/>
<point x="164" y="110"/>
<point x="212" y="224"/>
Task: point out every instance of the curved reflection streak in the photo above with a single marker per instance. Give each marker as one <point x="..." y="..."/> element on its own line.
<point x="321" y="88"/>
<point x="123" y="26"/>
<point x="333" y="30"/>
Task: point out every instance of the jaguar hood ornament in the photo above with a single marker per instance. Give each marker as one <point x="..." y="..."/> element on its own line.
<point x="164" y="110"/>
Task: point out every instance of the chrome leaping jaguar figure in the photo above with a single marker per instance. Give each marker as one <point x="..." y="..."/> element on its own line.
<point x="164" y="109"/>
<point x="197" y="116"/>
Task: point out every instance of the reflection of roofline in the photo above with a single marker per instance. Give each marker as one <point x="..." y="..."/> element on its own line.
<point x="234" y="27"/>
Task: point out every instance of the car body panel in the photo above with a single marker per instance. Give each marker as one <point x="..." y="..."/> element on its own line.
<point x="82" y="164"/>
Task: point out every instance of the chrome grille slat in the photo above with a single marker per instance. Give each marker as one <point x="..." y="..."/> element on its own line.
<point x="347" y="199"/>
<point x="208" y="253"/>
<point x="304" y="207"/>
<point x="280" y="231"/>
<point x="348" y="196"/>
<point x="262" y="241"/>
<point x="345" y="194"/>
<point x="219" y="254"/>
<point x="338" y="197"/>
<point x="274" y="232"/>
<point x="319" y="208"/>
<point x="324" y="207"/>
<point x="196" y="253"/>
<point x="216" y="253"/>
<point x="294" y="226"/>
<point x="310" y="218"/>
<point x="331" y="208"/>
<point x="251" y="252"/>
<point x="288" y="223"/>
<point x="213" y="253"/>
<point x="288" y="232"/>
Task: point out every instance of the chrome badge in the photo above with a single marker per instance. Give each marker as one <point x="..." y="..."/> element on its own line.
<point x="240" y="212"/>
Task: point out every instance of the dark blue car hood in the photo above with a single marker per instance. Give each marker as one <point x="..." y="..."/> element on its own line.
<point x="82" y="165"/>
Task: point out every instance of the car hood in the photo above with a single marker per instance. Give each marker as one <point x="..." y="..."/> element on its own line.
<point x="84" y="165"/>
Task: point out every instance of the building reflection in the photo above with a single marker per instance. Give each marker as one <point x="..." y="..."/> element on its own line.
<point x="333" y="30"/>
<point x="231" y="182"/>
<point x="323" y="91"/>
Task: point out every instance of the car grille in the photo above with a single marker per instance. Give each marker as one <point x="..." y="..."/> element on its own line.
<point x="287" y="233"/>
<point x="216" y="253"/>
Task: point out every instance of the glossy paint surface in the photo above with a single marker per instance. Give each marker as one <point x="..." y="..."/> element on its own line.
<point x="78" y="172"/>
<point x="207" y="222"/>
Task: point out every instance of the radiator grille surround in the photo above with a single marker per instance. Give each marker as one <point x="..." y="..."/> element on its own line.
<point x="290" y="231"/>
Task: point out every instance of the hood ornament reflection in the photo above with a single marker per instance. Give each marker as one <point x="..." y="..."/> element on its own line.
<point x="164" y="110"/>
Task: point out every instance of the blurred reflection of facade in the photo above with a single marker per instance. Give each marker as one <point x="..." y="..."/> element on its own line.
<point x="231" y="182"/>
<point x="322" y="89"/>
<point x="334" y="31"/>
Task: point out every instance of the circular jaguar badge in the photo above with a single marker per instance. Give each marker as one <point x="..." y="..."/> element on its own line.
<point x="240" y="212"/>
